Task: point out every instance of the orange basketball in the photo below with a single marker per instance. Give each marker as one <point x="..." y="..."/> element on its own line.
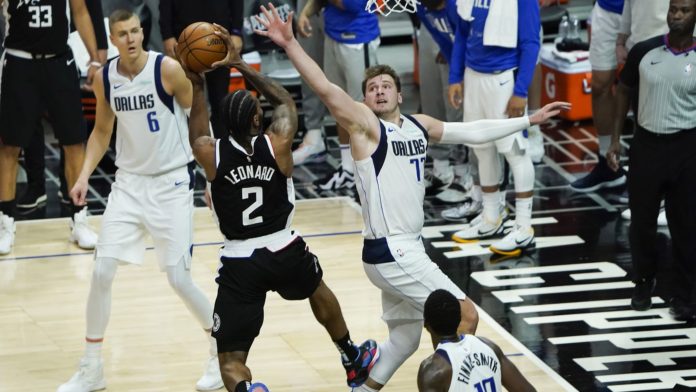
<point x="198" y="47"/>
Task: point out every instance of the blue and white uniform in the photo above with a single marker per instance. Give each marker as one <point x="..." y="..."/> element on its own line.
<point x="153" y="191"/>
<point x="475" y="367"/>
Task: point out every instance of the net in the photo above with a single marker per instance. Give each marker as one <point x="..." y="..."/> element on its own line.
<point x="386" y="7"/>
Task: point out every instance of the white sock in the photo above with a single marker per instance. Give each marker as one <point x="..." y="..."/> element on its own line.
<point x="491" y="206"/>
<point x="93" y="350"/>
<point x="213" y="344"/>
<point x="604" y="143"/>
<point x="364" y="388"/>
<point x="346" y="158"/>
<point x="523" y="213"/>
<point x="313" y="136"/>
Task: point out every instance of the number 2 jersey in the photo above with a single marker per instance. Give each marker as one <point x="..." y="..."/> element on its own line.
<point x="251" y="196"/>
<point x="151" y="126"/>
<point x="390" y="182"/>
<point x="37" y="26"/>
<point x="475" y="367"/>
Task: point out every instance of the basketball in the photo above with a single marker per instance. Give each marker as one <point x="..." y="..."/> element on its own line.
<point x="199" y="47"/>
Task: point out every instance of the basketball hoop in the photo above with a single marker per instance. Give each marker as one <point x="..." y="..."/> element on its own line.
<point x="386" y="7"/>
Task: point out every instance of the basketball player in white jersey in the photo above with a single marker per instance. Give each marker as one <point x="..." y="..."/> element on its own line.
<point x="389" y="152"/>
<point x="463" y="363"/>
<point x="253" y="196"/>
<point x="153" y="193"/>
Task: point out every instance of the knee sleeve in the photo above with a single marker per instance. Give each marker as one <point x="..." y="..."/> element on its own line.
<point x="488" y="165"/>
<point x="104" y="272"/>
<point x="522" y="169"/>
<point x="197" y="303"/>
<point x="404" y="339"/>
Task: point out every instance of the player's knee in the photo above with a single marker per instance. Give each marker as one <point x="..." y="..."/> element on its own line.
<point x="104" y="272"/>
<point x="522" y="169"/>
<point x="470" y="317"/>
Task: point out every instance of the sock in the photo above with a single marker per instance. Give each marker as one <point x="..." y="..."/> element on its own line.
<point x="75" y="209"/>
<point x="604" y="143"/>
<point x="346" y="158"/>
<point x="313" y="136"/>
<point x="347" y="348"/>
<point x="213" y="344"/>
<point x="523" y="213"/>
<point x="8" y="207"/>
<point x="242" y="386"/>
<point x="491" y="206"/>
<point x="364" y="388"/>
<point x="93" y="349"/>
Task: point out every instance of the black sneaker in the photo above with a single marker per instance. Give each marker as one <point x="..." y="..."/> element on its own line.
<point x="642" y="293"/>
<point x="601" y="176"/>
<point x="339" y="179"/>
<point x="32" y="197"/>
<point x="358" y="370"/>
<point x="681" y="311"/>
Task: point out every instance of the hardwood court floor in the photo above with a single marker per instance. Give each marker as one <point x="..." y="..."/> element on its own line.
<point x="154" y="344"/>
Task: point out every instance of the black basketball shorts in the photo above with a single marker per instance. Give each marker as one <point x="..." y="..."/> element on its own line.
<point x="31" y="88"/>
<point x="294" y="272"/>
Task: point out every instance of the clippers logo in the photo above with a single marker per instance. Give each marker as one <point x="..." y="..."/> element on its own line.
<point x="20" y="3"/>
<point x="216" y="322"/>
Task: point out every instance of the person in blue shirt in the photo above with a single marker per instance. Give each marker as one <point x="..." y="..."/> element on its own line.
<point x="495" y="51"/>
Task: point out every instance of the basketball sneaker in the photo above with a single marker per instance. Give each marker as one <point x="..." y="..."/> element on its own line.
<point x="258" y="387"/>
<point x="309" y="153"/>
<point x="7" y="233"/>
<point x="33" y="196"/>
<point x="339" y="179"/>
<point x="661" y="217"/>
<point x="89" y="377"/>
<point x="81" y="233"/>
<point x="517" y="240"/>
<point x="463" y="211"/>
<point x="641" y="299"/>
<point x="211" y="379"/>
<point x="359" y="369"/>
<point x="601" y="176"/>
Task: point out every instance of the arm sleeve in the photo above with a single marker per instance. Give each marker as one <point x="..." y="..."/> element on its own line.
<point x="528" y="25"/>
<point x="94" y="8"/>
<point x="458" y="60"/>
<point x="166" y="21"/>
<point x="481" y="131"/>
<point x="236" y="17"/>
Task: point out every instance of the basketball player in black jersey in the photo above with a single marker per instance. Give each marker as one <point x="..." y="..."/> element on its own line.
<point x="39" y="74"/>
<point x="253" y="198"/>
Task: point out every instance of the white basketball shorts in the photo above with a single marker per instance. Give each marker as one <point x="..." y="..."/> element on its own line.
<point x="605" y="30"/>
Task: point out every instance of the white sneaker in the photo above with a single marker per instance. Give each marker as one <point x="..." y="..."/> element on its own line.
<point x="309" y="153"/>
<point x="481" y="230"/>
<point x="81" y="233"/>
<point x="90" y="377"/>
<point x="337" y="180"/>
<point x="211" y="379"/>
<point x="661" y="217"/>
<point x="515" y="241"/>
<point x="463" y="211"/>
<point x="504" y="216"/>
<point x="626" y="214"/>
<point x="7" y="233"/>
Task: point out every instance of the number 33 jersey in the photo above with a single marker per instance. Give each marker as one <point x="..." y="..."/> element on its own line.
<point x="390" y="182"/>
<point x="37" y="26"/>
<point x="251" y="196"/>
<point x="151" y="126"/>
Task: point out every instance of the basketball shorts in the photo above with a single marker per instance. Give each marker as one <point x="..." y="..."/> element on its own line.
<point x="293" y="272"/>
<point x="161" y="206"/>
<point x="345" y="64"/>
<point x="408" y="279"/>
<point x="486" y="97"/>
<point x="605" y="30"/>
<point x="31" y="88"/>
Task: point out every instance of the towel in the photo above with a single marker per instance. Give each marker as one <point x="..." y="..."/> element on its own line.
<point x="501" y="23"/>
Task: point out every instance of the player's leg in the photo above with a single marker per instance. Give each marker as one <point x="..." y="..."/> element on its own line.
<point x="35" y="165"/>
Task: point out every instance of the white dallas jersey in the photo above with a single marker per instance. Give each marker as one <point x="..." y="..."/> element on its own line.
<point x="475" y="367"/>
<point x="152" y="129"/>
<point x="390" y="182"/>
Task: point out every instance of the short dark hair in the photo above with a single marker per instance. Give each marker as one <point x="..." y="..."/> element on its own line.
<point x="381" y="69"/>
<point x="442" y="312"/>
<point x="238" y="110"/>
<point x="120" y="15"/>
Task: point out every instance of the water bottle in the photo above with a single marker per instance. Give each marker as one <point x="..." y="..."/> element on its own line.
<point x="574" y="29"/>
<point x="563" y="28"/>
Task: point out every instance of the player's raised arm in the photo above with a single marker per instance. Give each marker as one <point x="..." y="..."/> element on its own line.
<point x="354" y="116"/>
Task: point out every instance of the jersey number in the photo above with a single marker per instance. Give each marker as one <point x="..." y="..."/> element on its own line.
<point x="152" y="122"/>
<point x="41" y="16"/>
<point x="487" y="385"/>
<point x="419" y="163"/>
<point x="257" y="192"/>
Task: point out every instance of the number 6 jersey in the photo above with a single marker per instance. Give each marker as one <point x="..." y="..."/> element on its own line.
<point x="151" y="126"/>
<point x="251" y="196"/>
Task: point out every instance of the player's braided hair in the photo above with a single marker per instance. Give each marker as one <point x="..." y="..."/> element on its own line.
<point x="238" y="110"/>
<point x="442" y="313"/>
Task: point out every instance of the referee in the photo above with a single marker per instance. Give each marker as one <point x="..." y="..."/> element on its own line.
<point x="661" y="74"/>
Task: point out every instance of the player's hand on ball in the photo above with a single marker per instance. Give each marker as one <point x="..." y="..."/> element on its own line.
<point x="233" y="57"/>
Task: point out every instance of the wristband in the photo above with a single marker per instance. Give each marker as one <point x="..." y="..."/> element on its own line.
<point x="95" y="64"/>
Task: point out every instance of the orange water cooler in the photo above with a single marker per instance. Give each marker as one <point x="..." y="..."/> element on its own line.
<point x="565" y="81"/>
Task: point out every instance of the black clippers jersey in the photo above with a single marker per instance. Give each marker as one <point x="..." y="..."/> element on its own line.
<point x="251" y="196"/>
<point x="37" y="26"/>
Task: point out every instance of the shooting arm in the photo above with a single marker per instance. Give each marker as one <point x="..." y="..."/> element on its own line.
<point x="476" y="132"/>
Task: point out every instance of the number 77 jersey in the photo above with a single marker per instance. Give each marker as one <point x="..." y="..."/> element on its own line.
<point x="251" y="196"/>
<point x="151" y="126"/>
<point x="390" y="182"/>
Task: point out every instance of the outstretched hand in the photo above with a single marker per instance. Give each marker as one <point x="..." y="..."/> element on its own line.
<point x="277" y="30"/>
<point x="548" y="111"/>
<point x="233" y="57"/>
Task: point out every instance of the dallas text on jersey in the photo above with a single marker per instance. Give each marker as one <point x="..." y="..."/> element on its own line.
<point x="138" y="102"/>
<point x="408" y="148"/>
